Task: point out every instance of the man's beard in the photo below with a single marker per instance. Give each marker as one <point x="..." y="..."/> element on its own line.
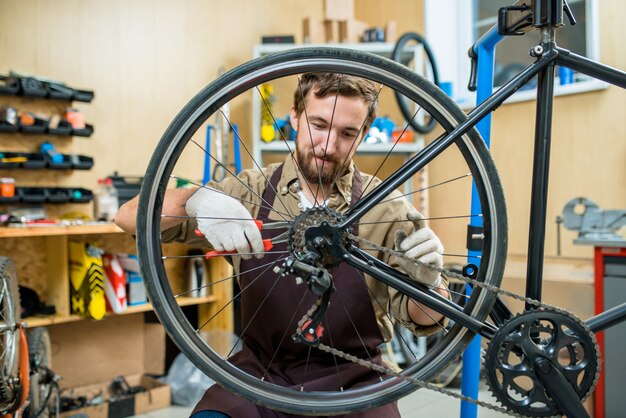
<point x="311" y="169"/>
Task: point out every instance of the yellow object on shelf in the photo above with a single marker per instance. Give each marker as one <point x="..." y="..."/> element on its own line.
<point x="86" y="281"/>
<point x="267" y="123"/>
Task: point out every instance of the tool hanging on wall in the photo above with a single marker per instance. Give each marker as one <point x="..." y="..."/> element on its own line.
<point x="223" y="127"/>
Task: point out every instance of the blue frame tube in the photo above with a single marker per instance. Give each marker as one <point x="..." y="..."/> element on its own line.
<point x="485" y="49"/>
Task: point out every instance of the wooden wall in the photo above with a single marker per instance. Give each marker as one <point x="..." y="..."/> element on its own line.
<point x="145" y="59"/>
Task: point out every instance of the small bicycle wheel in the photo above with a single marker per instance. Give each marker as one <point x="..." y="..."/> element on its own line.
<point x="42" y="384"/>
<point x="9" y="333"/>
<point x="180" y="153"/>
<point x="428" y="63"/>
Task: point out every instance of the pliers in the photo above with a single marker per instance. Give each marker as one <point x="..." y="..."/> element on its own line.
<point x="268" y="243"/>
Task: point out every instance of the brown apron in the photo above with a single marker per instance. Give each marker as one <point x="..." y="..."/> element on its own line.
<point x="269" y="323"/>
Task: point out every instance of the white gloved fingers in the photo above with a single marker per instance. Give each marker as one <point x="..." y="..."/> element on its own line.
<point x="228" y="244"/>
<point x="416" y="238"/>
<point x="427" y="247"/>
<point x="398" y="238"/>
<point x="254" y="239"/>
<point x="242" y="246"/>
<point x="217" y="245"/>
<point x="433" y="258"/>
<point x="417" y="219"/>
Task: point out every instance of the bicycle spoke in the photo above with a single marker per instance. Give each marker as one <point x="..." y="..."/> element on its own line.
<point x="462" y="255"/>
<point x="235" y="297"/>
<point x="240" y="181"/>
<point x="386" y="311"/>
<point x="165" y="257"/>
<point x="306" y="116"/>
<point x="342" y="167"/>
<point x="267" y="181"/>
<point x="282" y="214"/>
<point x="432" y="218"/>
<point x="388" y="154"/>
<point x="427" y="187"/>
<point x="330" y="338"/>
<point x="282" y="135"/>
<point x="436" y="322"/>
<point x="280" y="343"/>
<point x="226" y="278"/>
<point x="345" y="308"/>
<point x="306" y="368"/>
<point x="255" y="314"/>
<point x="330" y="127"/>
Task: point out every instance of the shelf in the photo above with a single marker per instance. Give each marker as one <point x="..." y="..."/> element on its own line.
<point x="48" y="230"/>
<point x="38" y="161"/>
<point x="87" y="131"/>
<point x="399" y="148"/>
<point x="48" y="195"/>
<point x="28" y="86"/>
<point x="33" y="322"/>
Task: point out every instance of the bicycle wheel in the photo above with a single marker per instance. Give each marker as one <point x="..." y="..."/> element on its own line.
<point x="9" y="333"/>
<point x="42" y="384"/>
<point x="450" y="175"/>
<point x="399" y="55"/>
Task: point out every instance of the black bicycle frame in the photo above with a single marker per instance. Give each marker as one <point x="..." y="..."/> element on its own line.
<point x="549" y="55"/>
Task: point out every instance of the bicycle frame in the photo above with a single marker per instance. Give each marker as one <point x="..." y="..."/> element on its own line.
<point x="548" y="56"/>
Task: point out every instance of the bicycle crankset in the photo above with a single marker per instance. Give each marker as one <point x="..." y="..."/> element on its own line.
<point x="535" y="343"/>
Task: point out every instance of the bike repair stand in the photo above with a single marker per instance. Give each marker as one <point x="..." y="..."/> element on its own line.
<point x="470" y="378"/>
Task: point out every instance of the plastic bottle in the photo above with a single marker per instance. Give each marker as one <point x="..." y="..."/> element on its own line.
<point x="107" y="200"/>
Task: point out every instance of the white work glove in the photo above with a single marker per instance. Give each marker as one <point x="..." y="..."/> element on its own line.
<point x="422" y="245"/>
<point x="223" y="221"/>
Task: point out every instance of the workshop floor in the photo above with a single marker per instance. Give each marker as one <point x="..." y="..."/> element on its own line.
<point x="420" y="404"/>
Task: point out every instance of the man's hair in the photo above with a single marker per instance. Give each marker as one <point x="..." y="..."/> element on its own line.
<point x="326" y="84"/>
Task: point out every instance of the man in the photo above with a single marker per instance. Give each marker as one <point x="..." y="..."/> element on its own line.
<point x="331" y="114"/>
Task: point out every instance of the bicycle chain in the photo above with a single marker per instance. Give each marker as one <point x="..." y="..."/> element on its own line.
<point x="475" y="283"/>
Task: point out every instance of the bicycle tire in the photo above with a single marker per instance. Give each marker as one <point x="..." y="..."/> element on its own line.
<point x="396" y="55"/>
<point x="40" y="358"/>
<point x="9" y="339"/>
<point x="179" y="134"/>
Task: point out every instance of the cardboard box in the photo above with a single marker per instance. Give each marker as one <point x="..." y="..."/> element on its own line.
<point x="157" y="396"/>
<point x="351" y="30"/>
<point x="312" y="31"/>
<point x="338" y="9"/>
<point x="136" y="291"/>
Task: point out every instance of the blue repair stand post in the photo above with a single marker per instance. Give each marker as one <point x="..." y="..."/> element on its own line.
<point x="206" y="175"/>
<point x="485" y="49"/>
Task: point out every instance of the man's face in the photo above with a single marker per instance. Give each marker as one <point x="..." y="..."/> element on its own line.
<point x="327" y="144"/>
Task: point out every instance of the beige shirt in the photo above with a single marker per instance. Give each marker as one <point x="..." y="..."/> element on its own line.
<point x="378" y="225"/>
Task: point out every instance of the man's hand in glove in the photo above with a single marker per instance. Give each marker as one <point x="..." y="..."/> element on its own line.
<point x="225" y="223"/>
<point x="421" y="245"/>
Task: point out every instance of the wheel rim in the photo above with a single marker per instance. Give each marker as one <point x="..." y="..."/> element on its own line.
<point x="164" y="163"/>
<point x="9" y="315"/>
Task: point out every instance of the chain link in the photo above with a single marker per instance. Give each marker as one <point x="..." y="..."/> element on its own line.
<point x="474" y="283"/>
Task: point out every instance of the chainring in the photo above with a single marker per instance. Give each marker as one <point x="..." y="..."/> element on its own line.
<point x="561" y="338"/>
